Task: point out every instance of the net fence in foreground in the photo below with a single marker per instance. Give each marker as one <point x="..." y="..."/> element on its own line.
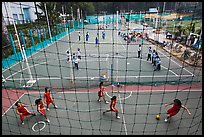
<point x="72" y="47"/>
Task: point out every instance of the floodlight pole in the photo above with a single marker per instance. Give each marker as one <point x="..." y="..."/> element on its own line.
<point x="72" y="17"/>
<point x="140" y="18"/>
<point x="78" y="16"/>
<point x="48" y="21"/>
<point x="31" y="81"/>
<point x="164" y="12"/>
<point x="70" y="64"/>
<point x="117" y="45"/>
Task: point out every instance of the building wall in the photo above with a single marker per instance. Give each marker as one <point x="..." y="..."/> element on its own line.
<point x="15" y="10"/>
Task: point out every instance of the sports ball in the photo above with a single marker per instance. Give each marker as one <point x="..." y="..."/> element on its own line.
<point x="157" y="117"/>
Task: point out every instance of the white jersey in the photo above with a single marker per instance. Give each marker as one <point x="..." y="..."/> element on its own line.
<point x="75" y="60"/>
<point x="78" y="53"/>
<point x="154" y="55"/>
<point x="158" y="61"/>
<point x="68" y="55"/>
<point x="149" y="51"/>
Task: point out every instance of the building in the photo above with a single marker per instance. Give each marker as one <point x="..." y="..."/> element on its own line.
<point x="21" y="12"/>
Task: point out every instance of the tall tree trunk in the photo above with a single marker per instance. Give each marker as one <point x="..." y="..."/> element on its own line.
<point x="5" y="38"/>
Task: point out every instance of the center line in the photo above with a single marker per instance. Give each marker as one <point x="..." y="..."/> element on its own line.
<point x="123" y="117"/>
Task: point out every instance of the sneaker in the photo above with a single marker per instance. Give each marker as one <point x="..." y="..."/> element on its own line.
<point x="104" y="113"/>
<point x="48" y="109"/>
<point x="22" y="123"/>
<point x="55" y="107"/>
<point x="106" y="102"/>
<point x="99" y="100"/>
<point x="118" y="117"/>
<point x="34" y="114"/>
<point x="48" y="120"/>
<point x="165" y="120"/>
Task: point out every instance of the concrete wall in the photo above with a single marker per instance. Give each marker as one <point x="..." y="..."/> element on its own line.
<point x="15" y="8"/>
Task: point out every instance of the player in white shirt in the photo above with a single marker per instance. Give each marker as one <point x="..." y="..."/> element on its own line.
<point x="68" y="56"/>
<point x="78" y="53"/>
<point x="75" y="60"/>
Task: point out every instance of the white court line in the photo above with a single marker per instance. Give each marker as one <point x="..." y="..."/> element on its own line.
<point x="12" y="105"/>
<point x="82" y="92"/>
<point x="176" y="63"/>
<point x="117" y="81"/>
<point x="170" y="71"/>
<point x="42" y="122"/>
<point x="72" y="92"/>
<point x="123" y="115"/>
<point x="147" y="61"/>
<point x="121" y="42"/>
<point x="56" y="78"/>
<point x="120" y="98"/>
<point x="39" y="51"/>
<point x="41" y="64"/>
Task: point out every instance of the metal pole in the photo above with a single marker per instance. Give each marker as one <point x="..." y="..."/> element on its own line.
<point x="78" y="16"/>
<point x="163" y="13"/>
<point x="24" y="19"/>
<point x="140" y="17"/>
<point x="70" y="63"/>
<point x="72" y="17"/>
<point x="48" y="22"/>
<point x="117" y="45"/>
<point x="31" y="81"/>
<point x="81" y="18"/>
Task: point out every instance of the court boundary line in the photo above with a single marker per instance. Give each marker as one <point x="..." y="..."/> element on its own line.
<point x="38" y="65"/>
<point x="72" y="92"/>
<point x="58" y="78"/>
<point x="121" y="107"/>
<point x="121" y="98"/>
<point x="13" y="104"/>
<point x="81" y="92"/>
<point x="176" y="63"/>
<point x="40" y="50"/>
<point x="146" y="60"/>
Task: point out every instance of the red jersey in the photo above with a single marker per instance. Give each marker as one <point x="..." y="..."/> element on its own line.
<point x="42" y="111"/>
<point x="22" y="109"/>
<point x="176" y="107"/>
<point x="174" y="110"/>
<point x="112" y="105"/>
<point x="47" y="96"/>
<point x="41" y="106"/>
<point x="101" y="88"/>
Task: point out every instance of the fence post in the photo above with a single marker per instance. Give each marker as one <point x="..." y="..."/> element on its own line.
<point x="31" y="36"/>
<point x="12" y="44"/>
<point x="44" y="33"/>
<point x="23" y="39"/>
<point x="38" y="33"/>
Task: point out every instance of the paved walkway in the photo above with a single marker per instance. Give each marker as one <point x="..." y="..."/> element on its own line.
<point x="177" y="52"/>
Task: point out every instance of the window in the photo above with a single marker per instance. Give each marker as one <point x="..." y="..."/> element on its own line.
<point x="21" y="18"/>
<point x="15" y="17"/>
<point x="27" y="14"/>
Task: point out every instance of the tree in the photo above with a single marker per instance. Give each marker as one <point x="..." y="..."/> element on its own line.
<point x="5" y="39"/>
<point x="52" y="12"/>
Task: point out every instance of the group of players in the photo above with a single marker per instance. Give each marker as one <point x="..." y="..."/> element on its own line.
<point x="75" y="58"/>
<point x="152" y="56"/>
<point x="23" y="111"/>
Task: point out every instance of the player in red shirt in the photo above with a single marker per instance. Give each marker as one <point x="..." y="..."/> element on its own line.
<point x="48" y="99"/>
<point x="41" y="108"/>
<point x="112" y="107"/>
<point x="22" y="111"/>
<point x="101" y="93"/>
<point x="175" y="109"/>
